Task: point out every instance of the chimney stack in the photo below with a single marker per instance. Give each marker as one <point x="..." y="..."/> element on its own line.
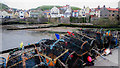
<point x="104" y="6"/>
<point x="98" y="7"/>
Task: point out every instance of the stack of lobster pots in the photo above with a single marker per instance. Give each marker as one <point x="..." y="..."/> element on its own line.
<point x="74" y="49"/>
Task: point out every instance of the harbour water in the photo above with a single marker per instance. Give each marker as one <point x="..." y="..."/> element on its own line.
<point x="12" y="39"/>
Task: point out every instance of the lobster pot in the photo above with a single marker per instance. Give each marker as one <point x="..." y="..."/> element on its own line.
<point x="74" y="61"/>
<point x="89" y="33"/>
<point x="84" y="38"/>
<point x="12" y="61"/>
<point x="51" y="51"/>
<point x="76" y="45"/>
<point x="16" y="60"/>
<point x="100" y="42"/>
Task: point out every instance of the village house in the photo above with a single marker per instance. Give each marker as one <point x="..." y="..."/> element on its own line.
<point x="97" y="12"/>
<point x="16" y="14"/>
<point x="21" y="14"/>
<point x="46" y="13"/>
<point x="92" y="13"/>
<point x="26" y="14"/>
<point x="75" y="13"/>
<point x="65" y="11"/>
<point x="84" y="12"/>
<point x="104" y="13"/>
<point x="113" y="13"/>
<point x="68" y="12"/>
<point x="1" y="14"/>
<point x="35" y="13"/>
<point x="55" y="12"/>
<point x="5" y="14"/>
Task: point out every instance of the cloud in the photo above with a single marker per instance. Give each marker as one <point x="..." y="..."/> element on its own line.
<point x="28" y="4"/>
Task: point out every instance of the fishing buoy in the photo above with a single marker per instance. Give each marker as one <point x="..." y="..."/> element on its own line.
<point x="107" y="51"/>
<point x="80" y="28"/>
<point x="65" y="43"/>
<point x="57" y="36"/>
<point x="71" y="56"/>
<point x="28" y="43"/>
<point x="89" y="58"/>
<point x="51" y="63"/>
<point x="69" y="32"/>
<point x="72" y="34"/>
<point x="116" y="41"/>
<point x="106" y="33"/>
<point x="21" y="44"/>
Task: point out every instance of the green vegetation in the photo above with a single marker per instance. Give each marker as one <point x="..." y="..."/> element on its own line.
<point x="25" y="22"/>
<point x="105" y="21"/>
<point x="47" y="7"/>
<point x="77" y="20"/>
<point x="3" y="6"/>
<point x="75" y="8"/>
<point x="107" y="27"/>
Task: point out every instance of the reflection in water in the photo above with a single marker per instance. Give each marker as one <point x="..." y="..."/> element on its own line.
<point x="12" y="39"/>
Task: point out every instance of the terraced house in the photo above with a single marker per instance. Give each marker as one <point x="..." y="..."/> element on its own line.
<point x="47" y="13"/>
<point x="84" y="12"/>
<point x="35" y="13"/>
<point x="75" y="13"/>
<point x="5" y="14"/>
<point x="113" y="13"/>
<point x="65" y="11"/>
<point x="103" y="12"/>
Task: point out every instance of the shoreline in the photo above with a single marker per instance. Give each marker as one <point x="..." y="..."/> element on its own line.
<point x="73" y="25"/>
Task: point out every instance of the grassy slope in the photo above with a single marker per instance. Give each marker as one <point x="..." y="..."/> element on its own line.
<point x="3" y="6"/>
<point x="47" y="7"/>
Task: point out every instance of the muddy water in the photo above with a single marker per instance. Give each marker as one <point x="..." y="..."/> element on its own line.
<point x="12" y="39"/>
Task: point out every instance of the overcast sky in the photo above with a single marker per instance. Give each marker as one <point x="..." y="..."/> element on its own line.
<point x="28" y="4"/>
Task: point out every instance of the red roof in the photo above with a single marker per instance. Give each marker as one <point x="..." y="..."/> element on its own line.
<point x="75" y="10"/>
<point x="62" y="7"/>
<point x="96" y="9"/>
<point x="112" y="9"/>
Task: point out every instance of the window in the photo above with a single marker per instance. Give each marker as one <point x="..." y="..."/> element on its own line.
<point x="21" y="16"/>
<point x="113" y="11"/>
<point x="21" y="12"/>
<point x="100" y="15"/>
<point x="112" y="14"/>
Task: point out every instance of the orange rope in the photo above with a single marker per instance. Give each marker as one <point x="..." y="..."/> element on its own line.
<point x="37" y="52"/>
<point x="23" y="61"/>
<point x="83" y="44"/>
<point x="7" y="59"/>
<point x="18" y="55"/>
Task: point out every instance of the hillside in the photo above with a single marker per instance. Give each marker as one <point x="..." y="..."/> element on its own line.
<point x="47" y="7"/>
<point x="3" y="6"/>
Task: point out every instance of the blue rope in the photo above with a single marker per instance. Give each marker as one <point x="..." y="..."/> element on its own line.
<point x="4" y="60"/>
<point x="51" y="47"/>
<point x="41" y="40"/>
